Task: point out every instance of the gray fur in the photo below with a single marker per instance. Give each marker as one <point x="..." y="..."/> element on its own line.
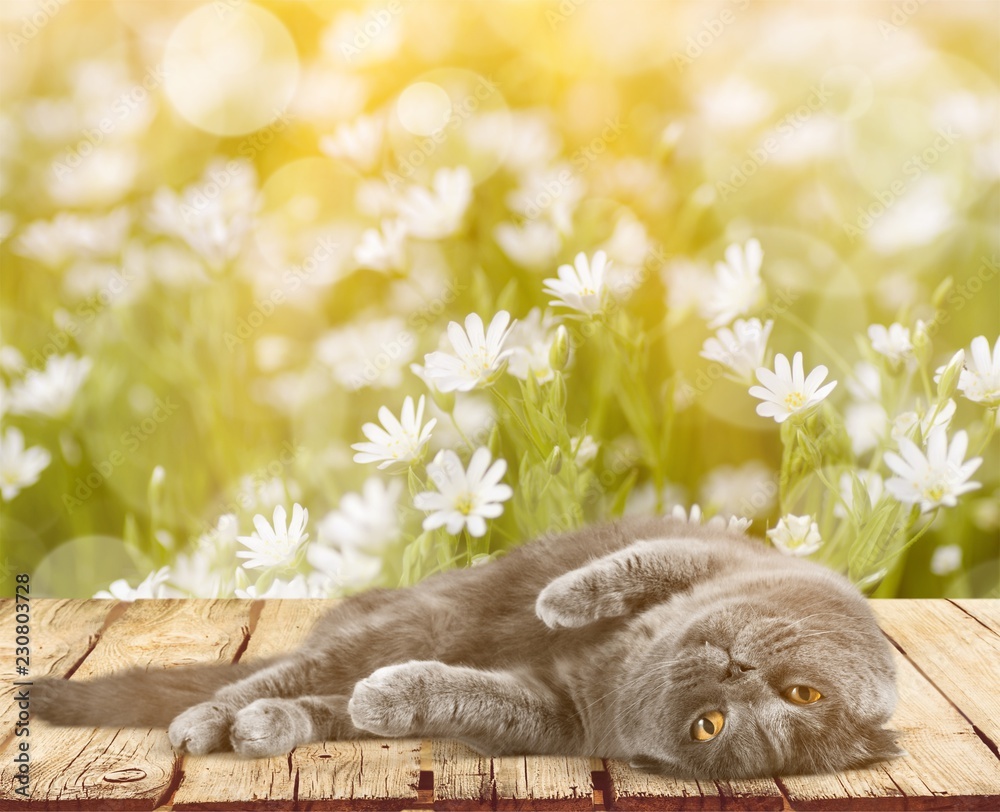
<point x="606" y="642"/>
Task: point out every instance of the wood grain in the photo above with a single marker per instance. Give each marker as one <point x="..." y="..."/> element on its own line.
<point x="954" y="650"/>
<point x="947" y="766"/>
<point x="986" y="612"/>
<point x="62" y="632"/>
<point x="214" y="781"/>
<point x="642" y="791"/>
<point x="463" y="779"/>
<point x="543" y="782"/>
<point x="80" y="768"/>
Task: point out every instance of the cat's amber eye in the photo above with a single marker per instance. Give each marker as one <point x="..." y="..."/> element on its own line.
<point x="708" y="726"/>
<point x="802" y="695"/>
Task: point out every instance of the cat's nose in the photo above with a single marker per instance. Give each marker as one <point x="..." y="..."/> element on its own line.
<point x="738" y="669"/>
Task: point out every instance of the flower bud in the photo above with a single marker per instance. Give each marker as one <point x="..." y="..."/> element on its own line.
<point x="947" y="383"/>
<point x="941" y="293"/>
<point x="559" y="351"/>
<point x="445" y="401"/>
<point x="555" y="460"/>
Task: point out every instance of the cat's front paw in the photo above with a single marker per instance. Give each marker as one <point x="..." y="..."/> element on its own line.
<point x="201" y="729"/>
<point x="572" y="601"/>
<point x="269" y="727"/>
<point x="392" y="701"/>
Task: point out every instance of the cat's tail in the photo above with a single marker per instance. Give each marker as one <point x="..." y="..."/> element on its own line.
<point x="134" y="698"/>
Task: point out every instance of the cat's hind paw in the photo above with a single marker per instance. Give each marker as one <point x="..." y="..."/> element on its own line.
<point x="201" y="729"/>
<point x="389" y="701"/>
<point x="269" y="727"/>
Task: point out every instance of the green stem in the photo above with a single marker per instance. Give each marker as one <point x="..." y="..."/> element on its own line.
<point x="521" y="424"/>
<point x="835" y="356"/>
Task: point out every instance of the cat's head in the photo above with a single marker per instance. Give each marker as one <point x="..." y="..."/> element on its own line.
<point x="791" y="676"/>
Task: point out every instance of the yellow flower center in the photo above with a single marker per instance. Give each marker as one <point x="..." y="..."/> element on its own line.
<point x="794" y="400"/>
<point x="464" y="504"/>
<point x="935" y="492"/>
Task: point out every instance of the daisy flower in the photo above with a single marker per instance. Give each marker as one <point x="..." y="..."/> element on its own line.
<point x="369" y="519"/>
<point x="478" y="354"/>
<point x="19" y="467"/>
<point x="276" y="545"/>
<point x="787" y="390"/>
<point x="695" y="516"/>
<point x="946" y="559"/>
<point x="465" y="498"/>
<point x="532" y="245"/>
<point x="581" y="287"/>
<point x="435" y="214"/>
<point x="741" y="348"/>
<point x="396" y="444"/>
<point x="980" y="380"/>
<point x="934" y="417"/>
<point x="935" y="479"/>
<point x="893" y="341"/>
<point x="531" y="341"/>
<point x="50" y="392"/>
<point x="152" y="586"/>
<point x="382" y="250"/>
<point x="737" y="287"/>
<point x="359" y="142"/>
<point x="796" y="535"/>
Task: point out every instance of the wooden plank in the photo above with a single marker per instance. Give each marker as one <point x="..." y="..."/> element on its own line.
<point x="62" y="632"/>
<point x="954" y="650"/>
<point x="986" y="612"/>
<point x="948" y="767"/>
<point x="217" y="780"/>
<point x="543" y="782"/>
<point x="643" y="791"/>
<point x="462" y="777"/>
<point x="79" y="768"/>
<point x="334" y="775"/>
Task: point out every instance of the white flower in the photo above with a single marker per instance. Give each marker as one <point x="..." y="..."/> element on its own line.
<point x="382" y="250"/>
<point x="685" y="282"/>
<point x="74" y="236"/>
<point x="737" y="288"/>
<point x="530" y="342"/>
<point x="478" y="354"/>
<point x="873" y="484"/>
<point x="581" y="287"/>
<point x="152" y="586"/>
<point x="50" y="392"/>
<point x="866" y="382"/>
<point x="938" y="478"/>
<point x="277" y="545"/>
<point x="465" y="498"/>
<point x="695" y="516"/>
<point x="946" y="559"/>
<point x="748" y="490"/>
<point x="741" y="348"/>
<point x="796" y="535"/>
<point x="433" y="215"/>
<point x="866" y="425"/>
<point x="787" y="391"/>
<point x="214" y="226"/>
<point x="11" y="360"/>
<point x="359" y="142"/>
<point x="396" y="444"/>
<point x="532" y="245"/>
<point x="347" y="567"/>
<point x="893" y="341"/>
<point x="932" y="418"/>
<point x="369" y="520"/>
<point x="315" y="586"/>
<point x="980" y="380"/>
<point x="584" y="448"/>
<point x="372" y="353"/>
<point x="19" y="467"/>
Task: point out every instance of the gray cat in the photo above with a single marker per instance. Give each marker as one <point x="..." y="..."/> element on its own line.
<point x="683" y="649"/>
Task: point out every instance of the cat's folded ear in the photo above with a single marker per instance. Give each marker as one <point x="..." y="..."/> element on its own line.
<point x="877" y="744"/>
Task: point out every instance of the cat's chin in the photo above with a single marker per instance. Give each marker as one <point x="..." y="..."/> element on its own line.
<point x="657" y="766"/>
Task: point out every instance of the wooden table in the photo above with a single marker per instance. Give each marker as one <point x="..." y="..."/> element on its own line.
<point x="949" y="677"/>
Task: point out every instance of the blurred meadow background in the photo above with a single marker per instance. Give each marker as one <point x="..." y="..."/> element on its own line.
<point x="234" y="233"/>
